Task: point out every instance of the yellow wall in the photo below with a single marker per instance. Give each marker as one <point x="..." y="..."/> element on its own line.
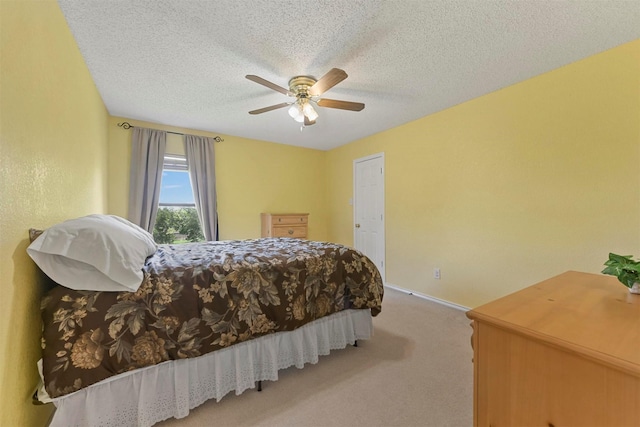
<point x="498" y="192"/>
<point x="510" y="188"/>
<point x="53" y="139"/>
<point x="251" y="177"/>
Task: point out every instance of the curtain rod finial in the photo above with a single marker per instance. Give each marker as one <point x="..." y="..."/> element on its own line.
<point x="125" y="125"/>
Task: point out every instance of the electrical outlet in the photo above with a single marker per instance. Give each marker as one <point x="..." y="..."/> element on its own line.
<point x="436" y="273"/>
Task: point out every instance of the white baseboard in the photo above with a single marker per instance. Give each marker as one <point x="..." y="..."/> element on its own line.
<point x="428" y="297"/>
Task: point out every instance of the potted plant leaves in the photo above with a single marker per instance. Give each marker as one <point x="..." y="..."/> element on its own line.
<point x="625" y="269"/>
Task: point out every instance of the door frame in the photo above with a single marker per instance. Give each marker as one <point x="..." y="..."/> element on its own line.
<point x="383" y="250"/>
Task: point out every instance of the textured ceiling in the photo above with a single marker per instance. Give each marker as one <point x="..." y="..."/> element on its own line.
<point x="183" y="63"/>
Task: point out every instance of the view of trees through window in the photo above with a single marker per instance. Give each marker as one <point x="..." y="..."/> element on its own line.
<point x="177" y="220"/>
<point x="177" y="225"/>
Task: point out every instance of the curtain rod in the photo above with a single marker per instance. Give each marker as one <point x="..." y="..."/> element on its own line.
<point x="127" y="125"/>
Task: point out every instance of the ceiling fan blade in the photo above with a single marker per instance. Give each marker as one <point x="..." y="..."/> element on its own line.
<point x="326" y="82"/>
<point x="343" y="105"/>
<point x="268" y="84"/>
<point x="272" y="107"/>
<point x="308" y="122"/>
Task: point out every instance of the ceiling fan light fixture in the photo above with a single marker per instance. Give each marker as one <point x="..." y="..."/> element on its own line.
<point x="295" y="111"/>
<point x="309" y="111"/>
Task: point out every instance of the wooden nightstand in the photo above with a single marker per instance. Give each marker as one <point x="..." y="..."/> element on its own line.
<point x="284" y="225"/>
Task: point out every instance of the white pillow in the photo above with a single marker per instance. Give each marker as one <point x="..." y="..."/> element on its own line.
<point x="94" y="253"/>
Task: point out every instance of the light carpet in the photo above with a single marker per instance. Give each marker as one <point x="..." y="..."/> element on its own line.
<point x="415" y="371"/>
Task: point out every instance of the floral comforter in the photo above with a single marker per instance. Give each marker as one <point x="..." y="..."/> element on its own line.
<point x="196" y="298"/>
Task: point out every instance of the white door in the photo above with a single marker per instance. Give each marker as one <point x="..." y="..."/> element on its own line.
<point x="368" y="208"/>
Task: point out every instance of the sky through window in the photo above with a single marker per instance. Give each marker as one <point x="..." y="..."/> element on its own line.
<point x="176" y="188"/>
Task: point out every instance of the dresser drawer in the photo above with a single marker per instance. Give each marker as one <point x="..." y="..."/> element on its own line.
<point x="290" y="231"/>
<point x="288" y="219"/>
<point x="285" y="225"/>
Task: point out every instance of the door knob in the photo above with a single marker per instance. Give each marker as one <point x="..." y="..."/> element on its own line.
<point x="357" y="225"/>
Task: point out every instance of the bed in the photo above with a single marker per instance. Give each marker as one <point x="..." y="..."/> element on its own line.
<point x="205" y="319"/>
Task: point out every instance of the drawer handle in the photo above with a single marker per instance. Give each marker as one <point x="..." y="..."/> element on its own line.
<point x="290" y="231"/>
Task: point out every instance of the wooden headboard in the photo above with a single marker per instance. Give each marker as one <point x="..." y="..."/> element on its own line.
<point x="34" y="233"/>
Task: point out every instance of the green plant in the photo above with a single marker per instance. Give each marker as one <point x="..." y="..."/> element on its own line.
<point x="624" y="268"/>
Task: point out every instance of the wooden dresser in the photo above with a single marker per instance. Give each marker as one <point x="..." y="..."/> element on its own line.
<point x="285" y="225"/>
<point x="563" y="352"/>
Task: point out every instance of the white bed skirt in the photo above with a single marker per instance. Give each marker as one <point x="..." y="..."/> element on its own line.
<point x="170" y="389"/>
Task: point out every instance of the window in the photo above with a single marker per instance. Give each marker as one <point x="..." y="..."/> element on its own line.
<point x="177" y="220"/>
<point x="176" y="188"/>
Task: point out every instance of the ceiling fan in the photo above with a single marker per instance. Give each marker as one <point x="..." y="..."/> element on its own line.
<point x="306" y="90"/>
